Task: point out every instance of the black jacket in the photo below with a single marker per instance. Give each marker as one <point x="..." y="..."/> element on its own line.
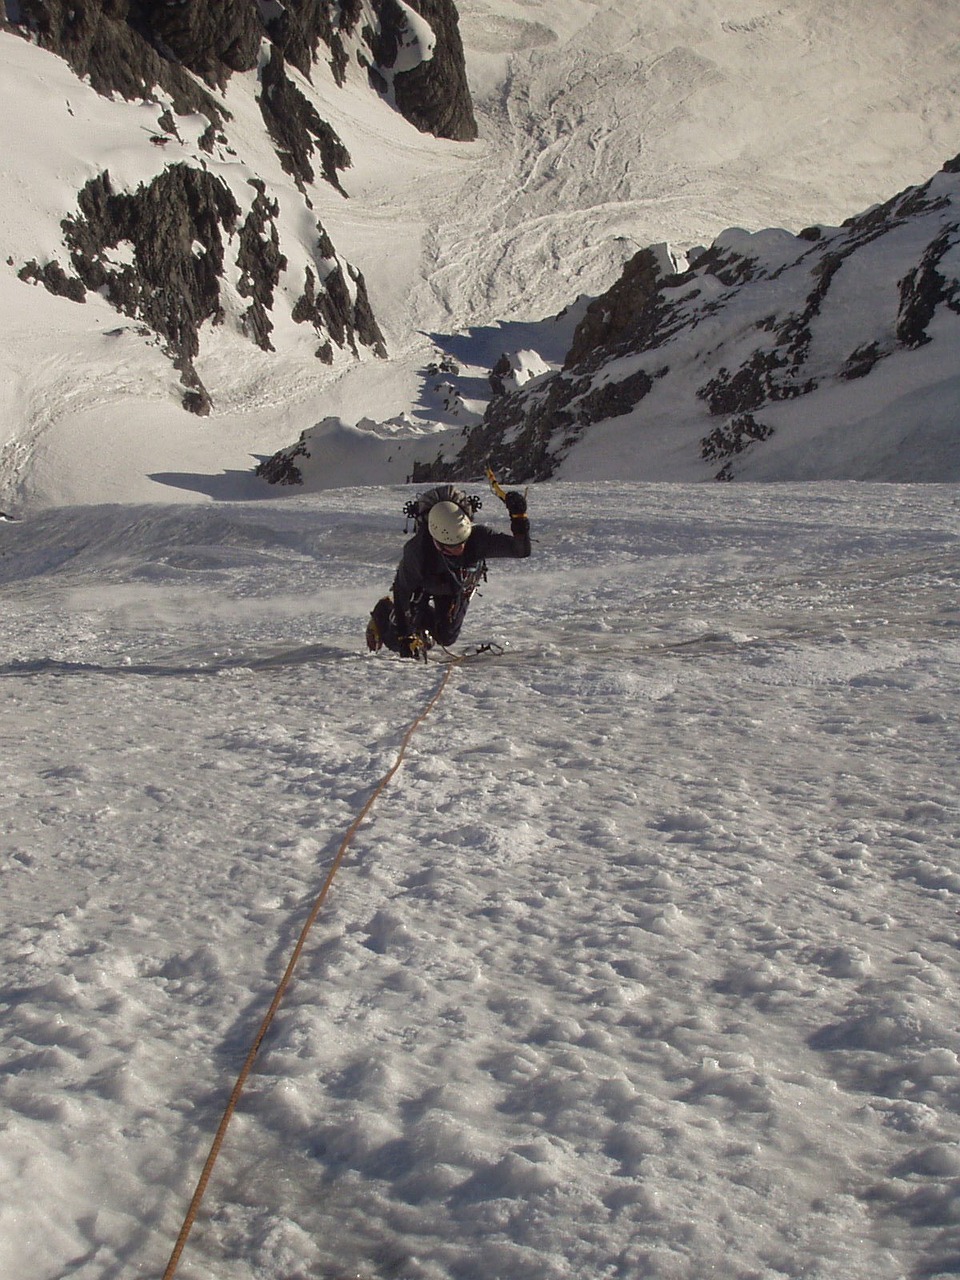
<point x="425" y="573"/>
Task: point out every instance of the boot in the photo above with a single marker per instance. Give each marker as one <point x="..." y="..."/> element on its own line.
<point x="379" y="621"/>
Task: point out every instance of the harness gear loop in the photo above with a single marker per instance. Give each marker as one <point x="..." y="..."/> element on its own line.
<point x="284" y="983"/>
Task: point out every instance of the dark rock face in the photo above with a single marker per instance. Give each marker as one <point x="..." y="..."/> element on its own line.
<point x="767" y="376"/>
<point x="282" y="467"/>
<point x="925" y="289"/>
<point x="633" y="307"/>
<point x="115" y="44"/>
<point x="525" y="435"/>
<point x="434" y="95"/>
<point x="212" y="38"/>
<point x="131" y="47"/>
<point x="55" y="280"/>
<point x="502" y="369"/>
<point x="862" y="361"/>
<point x="175" y="230"/>
<point x="297" y="129"/>
<point x="298" y="31"/>
<point x="733" y="437"/>
<point x="339" y="316"/>
<point x="260" y="262"/>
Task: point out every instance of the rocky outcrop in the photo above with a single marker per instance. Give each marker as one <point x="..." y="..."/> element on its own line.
<point x="335" y="303"/>
<point x="925" y="289"/>
<point x="282" y="468"/>
<point x="261" y="262"/>
<point x="725" y="442"/>
<point x="54" y="279"/>
<point x="433" y="95"/>
<point x="169" y="274"/>
<point x="752" y="324"/>
<point x="298" y="31"/>
<point x="524" y="436"/>
<point x="297" y="129"/>
<point x="118" y="45"/>
<point x="211" y="38"/>
<point x="514" y="369"/>
<point x="767" y="376"/>
<point x="133" y="47"/>
<point x="631" y="309"/>
<point x="158" y="255"/>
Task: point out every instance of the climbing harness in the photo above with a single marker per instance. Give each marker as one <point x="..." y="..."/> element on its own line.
<point x="247" y="1067"/>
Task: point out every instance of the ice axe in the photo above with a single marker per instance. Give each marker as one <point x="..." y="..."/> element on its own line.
<point x="496" y="486"/>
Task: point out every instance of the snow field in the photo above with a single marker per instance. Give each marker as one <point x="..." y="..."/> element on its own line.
<point x="603" y="128"/>
<point x="644" y="964"/>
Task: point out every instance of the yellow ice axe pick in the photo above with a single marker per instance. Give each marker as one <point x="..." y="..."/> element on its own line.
<point x="495" y="485"/>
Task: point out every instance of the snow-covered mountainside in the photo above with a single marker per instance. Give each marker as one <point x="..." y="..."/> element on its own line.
<point x="184" y="170"/>
<point x="831" y="354"/>
<point x="644" y="965"/>
<point x="207" y="233"/>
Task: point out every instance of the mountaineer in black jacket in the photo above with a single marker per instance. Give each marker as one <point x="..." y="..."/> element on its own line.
<point x="441" y="567"/>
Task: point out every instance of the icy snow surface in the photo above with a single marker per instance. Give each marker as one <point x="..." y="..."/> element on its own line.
<point x="645" y="965"/>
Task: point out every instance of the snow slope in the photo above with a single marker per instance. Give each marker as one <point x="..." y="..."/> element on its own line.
<point x="603" y="127"/>
<point x="645" y="965"/>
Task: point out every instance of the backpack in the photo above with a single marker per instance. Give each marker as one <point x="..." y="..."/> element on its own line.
<point x="417" y="509"/>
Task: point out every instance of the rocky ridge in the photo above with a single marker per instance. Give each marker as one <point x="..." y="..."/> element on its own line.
<point x="754" y="321"/>
<point x="164" y="254"/>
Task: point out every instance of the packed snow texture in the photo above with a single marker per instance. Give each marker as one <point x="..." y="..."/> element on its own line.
<point x="644" y="965"/>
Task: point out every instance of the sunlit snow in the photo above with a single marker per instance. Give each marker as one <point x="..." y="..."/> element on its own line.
<point x="645" y="965"/>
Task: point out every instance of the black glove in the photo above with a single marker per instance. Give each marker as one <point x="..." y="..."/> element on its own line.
<point x="516" y="503"/>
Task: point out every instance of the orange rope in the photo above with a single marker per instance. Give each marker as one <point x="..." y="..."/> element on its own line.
<point x="285" y="982"/>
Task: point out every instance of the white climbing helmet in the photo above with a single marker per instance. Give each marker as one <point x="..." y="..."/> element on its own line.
<point x="449" y="524"/>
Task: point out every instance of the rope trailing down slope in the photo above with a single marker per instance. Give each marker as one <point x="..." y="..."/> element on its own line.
<point x="284" y="983"/>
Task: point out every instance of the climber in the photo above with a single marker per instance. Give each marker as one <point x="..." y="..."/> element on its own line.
<point x="441" y="567"/>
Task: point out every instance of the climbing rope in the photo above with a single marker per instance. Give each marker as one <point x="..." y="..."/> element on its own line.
<point x="247" y="1067"/>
